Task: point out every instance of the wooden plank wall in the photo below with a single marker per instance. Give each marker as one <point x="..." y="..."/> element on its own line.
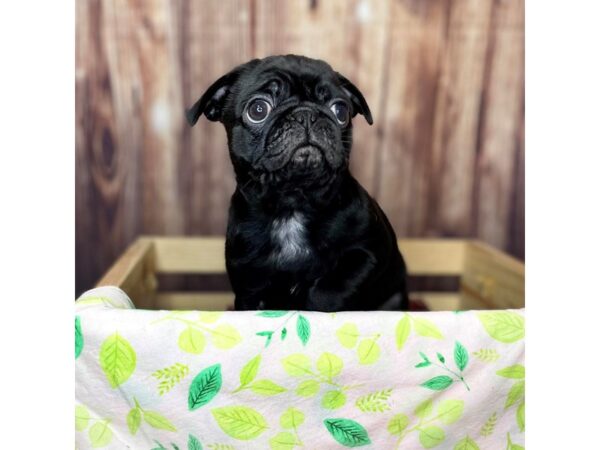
<point x="444" y="79"/>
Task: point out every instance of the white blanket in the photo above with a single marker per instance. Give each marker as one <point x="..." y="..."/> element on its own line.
<point x="294" y="379"/>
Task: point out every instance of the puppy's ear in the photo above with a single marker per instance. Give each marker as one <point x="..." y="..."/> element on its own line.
<point x="359" y="104"/>
<point x="212" y="101"/>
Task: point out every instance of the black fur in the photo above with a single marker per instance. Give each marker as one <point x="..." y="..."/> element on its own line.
<point x="293" y="169"/>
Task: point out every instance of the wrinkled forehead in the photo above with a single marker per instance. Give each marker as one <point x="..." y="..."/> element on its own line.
<point x="309" y="81"/>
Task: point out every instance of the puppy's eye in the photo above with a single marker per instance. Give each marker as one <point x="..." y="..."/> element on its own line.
<point x="341" y="112"/>
<point x="258" y="110"/>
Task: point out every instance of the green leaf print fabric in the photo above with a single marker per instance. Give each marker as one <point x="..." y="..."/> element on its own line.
<point x="288" y="380"/>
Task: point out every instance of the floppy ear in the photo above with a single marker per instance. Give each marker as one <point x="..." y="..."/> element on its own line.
<point x="212" y="101"/>
<point x="359" y="104"/>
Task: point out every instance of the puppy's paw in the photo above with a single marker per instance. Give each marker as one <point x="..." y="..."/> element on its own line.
<point x="320" y="299"/>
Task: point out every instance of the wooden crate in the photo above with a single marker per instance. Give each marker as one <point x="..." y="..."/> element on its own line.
<point x="489" y="279"/>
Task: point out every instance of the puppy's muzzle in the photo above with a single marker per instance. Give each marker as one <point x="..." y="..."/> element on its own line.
<point x="307" y="156"/>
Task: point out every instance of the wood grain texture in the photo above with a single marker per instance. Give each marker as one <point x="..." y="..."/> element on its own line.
<point x="444" y="80"/>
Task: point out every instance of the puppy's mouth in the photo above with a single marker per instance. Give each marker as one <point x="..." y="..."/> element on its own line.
<point x="307" y="157"/>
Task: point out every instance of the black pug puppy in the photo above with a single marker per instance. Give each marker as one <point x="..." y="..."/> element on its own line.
<point x="302" y="232"/>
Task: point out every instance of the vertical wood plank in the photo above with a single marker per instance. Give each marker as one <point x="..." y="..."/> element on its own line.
<point x="107" y="143"/>
<point x="415" y="48"/>
<point x="502" y="117"/>
<point x="457" y="118"/>
<point x="217" y="38"/>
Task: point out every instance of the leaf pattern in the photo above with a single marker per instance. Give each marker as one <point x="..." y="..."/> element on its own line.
<point x="402" y="331"/>
<point x="461" y="356"/>
<point x="438" y="383"/>
<point x="503" y="326"/>
<point x="240" y="422"/>
<point x="170" y="376"/>
<point x="375" y="401"/>
<point x="303" y="329"/>
<point x="488" y="427"/>
<point x="204" y="387"/>
<point x="337" y="374"/>
<point x="193" y="443"/>
<point x="466" y="444"/>
<point x="487" y="355"/>
<point x="347" y="432"/>
<point x="78" y="337"/>
<point x="117" y="359"/>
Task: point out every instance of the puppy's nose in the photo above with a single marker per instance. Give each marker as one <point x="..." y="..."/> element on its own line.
<point x="304" y="116"/>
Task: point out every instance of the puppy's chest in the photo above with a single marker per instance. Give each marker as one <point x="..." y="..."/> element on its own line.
<point x="290" y="240"/>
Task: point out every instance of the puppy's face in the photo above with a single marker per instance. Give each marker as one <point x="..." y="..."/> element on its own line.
<point x="288" y="117"/>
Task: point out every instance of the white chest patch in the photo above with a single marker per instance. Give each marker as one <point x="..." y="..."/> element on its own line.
<point x="289" y="235"/>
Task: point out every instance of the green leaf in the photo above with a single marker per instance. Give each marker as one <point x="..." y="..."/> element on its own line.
<point x="424" y="409"/>
<point x="347" y="432"/>
<point x="82" y="417"/>
<point x="441" y="357"/>
<point x="449" y="411"/>
<point x="515" y="394"/>
<point x="78" y="337"/>
<point x="266" y="387"/>
<point x="424" y="356"/>
<point x="329" y="365"/>
<point x="100" y="434"/>
<point x="427" y="328"/>
<point x="240" y="422"/>
<point x="461" y="356"/>
<point x="249" y="371"/>
<point x="438" y="383"/>
<point x="303" y="329"/>
<point x="297" y="365"/>
<point x="117" y="359"/>
<point x="402" y="331"/>
<point x="397" y="424"/>
<point x="375" y="401"/>
<point x="283" y="333"/>
<point x="209" y="316"/>
<point x="193" y="443"/>
<point x="488" y="427"/>
<point x="466" y="444"/>
<point x="283" y="441"/>
<point x="431" y="436"/>
<point x="225" y="337"/>
<point x="291" y="418"/>
<point x="170" y="376"/>
<point x="160" y="446"/>
<point x="517" y="371"/>
<point x="503" y="326"/>
<point x="521" y="416"/>
<point x="272" y="313"/>
<point x="423" y="364"/>
<point x="333" y="400"/>
<point x="134" y="419"/>
<point x="156" y="420"/>
<point x="204" y="387"/>
<point x="368" y="351"/>
<point x="348" y="334"/>
<point x="308" y="388"/>
<point x="511" y="446"/>
<point x="268" y="334"/>
<point x="192" y="341"/>
<point x="486" y="355"/>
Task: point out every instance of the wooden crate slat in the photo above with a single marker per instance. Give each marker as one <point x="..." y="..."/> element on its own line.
<point x="492" y="279"/>
<point x="207" y="255"/>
